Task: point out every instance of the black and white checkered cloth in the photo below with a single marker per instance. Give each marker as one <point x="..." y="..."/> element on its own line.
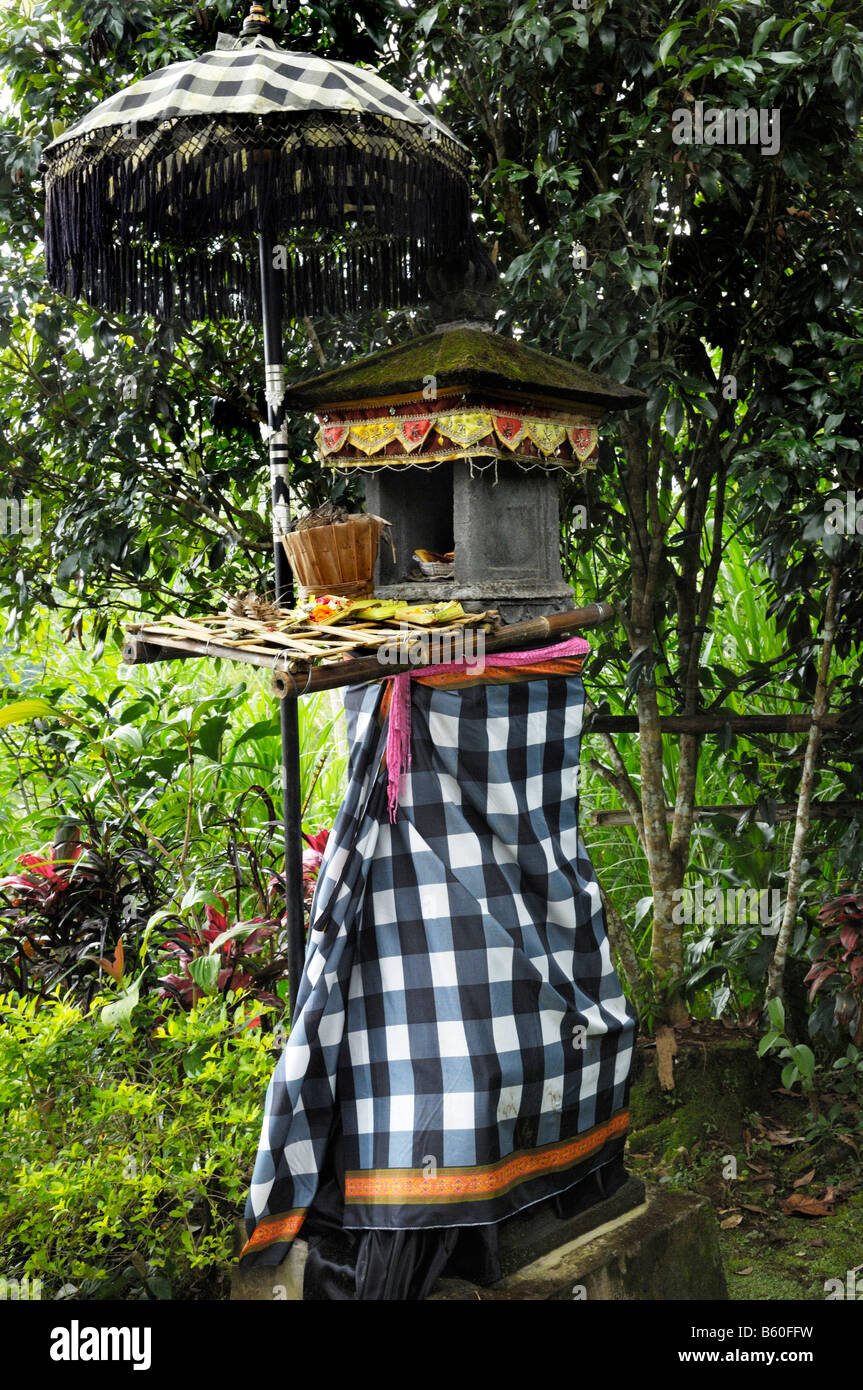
<point x="459" y="1015"/>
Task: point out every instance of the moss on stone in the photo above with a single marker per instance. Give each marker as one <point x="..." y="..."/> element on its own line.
<point x="720" y="1090"/>
<point x="716" y="1085"/>
<point x="796" y="1257"/>
<point x="461" y="357"/>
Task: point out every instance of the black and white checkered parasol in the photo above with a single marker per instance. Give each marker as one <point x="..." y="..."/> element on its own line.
<point x="147" y="194"/>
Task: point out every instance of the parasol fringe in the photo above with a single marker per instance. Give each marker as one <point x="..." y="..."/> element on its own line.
<point x="145" y="231"/>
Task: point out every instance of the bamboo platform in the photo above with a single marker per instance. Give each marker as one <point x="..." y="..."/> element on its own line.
<point x="302" y="662"/>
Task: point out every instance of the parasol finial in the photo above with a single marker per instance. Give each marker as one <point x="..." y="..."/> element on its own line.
<point x="256" y="21"/>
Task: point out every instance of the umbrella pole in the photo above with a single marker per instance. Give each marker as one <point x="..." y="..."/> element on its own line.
<point x="271" y="307"/>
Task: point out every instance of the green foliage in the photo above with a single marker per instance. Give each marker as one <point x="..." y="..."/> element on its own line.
<point x="141" y="442"/>
<point x="127" y="1152"/>
<point x="833" y="1086"/>
<point x="743" y="663"/>
<point x="703" y="264"/>
<point x="798" y="1058"/>
<point x="726" y="283"/>
<point x="143" y="784"/>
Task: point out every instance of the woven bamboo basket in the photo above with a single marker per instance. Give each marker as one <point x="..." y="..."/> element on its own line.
<point x="336" y="559"/>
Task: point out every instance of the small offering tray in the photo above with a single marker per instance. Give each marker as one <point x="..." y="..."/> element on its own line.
<point x="317" y="632"/>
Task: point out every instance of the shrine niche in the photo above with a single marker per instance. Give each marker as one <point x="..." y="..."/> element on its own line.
<point x="461" y="436"/>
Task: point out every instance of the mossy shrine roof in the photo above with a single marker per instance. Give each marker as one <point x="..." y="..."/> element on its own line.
<point x="461" y="357"/>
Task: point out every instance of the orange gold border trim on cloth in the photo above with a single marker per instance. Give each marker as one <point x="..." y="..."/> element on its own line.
<point x="283" y="1227"/>
<point x="404" y="1186"/>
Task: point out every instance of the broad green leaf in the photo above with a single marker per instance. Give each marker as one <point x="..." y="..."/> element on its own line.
<point x="239" y="930"/>
<point x="119" y="1014"/>
<point x="841" y="65"/>
<point x="195" y="897"/>
<point x="761" y="34"/>
<point x="205" y="972"/>
<point x="642" y="908"/>
<point x="22" y="711"/>
<point x="428" y="20"/>
<point x="210" y="735"/>
<point x="776" y="1012"/>
<point x="769" y="1040"/>
<point x="674" y="417"/>
<point x="128" y="736"/>
<point x="668" y="40"/>
<point x="785" y="57"/>
<point x="264" y="728"/>
<point x="152" y="923"/>
<point x="805" y="1060"/>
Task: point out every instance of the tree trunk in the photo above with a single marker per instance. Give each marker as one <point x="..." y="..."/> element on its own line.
<point x="776" y="972"/>
<point x="619" y="940"/>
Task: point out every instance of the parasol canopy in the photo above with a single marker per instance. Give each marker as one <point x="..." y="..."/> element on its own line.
<point x="360" y="189"/>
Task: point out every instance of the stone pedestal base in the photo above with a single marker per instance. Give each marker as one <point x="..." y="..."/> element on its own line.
<point x="515" y="602"/>
<point x="281" y="1283"/>
<point x="666" y="1248"/>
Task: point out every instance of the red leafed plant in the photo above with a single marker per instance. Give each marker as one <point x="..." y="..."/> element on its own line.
<point x="312" y="858"/>
<point x="45" y="876"/>
<point x="65" y="907"/>
<point x="212" y="965"/>
<point x="838" y="961"/>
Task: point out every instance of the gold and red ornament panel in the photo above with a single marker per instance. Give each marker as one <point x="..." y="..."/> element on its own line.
<point x="404" y="437"/>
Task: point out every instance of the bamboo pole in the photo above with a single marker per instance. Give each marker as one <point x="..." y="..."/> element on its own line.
<point x="143" y="647"/>
<point x="785" y="811"/>
<point x="138" y="650"/>
<point x="713" y="723"/>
